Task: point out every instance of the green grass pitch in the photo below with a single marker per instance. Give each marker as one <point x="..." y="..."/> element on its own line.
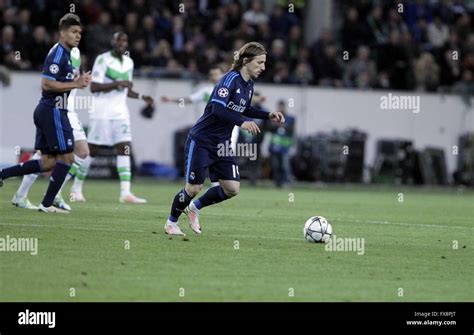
<point x="252" y="247"/>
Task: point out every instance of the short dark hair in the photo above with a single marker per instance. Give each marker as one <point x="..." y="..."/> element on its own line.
<point x="69" y="20"/>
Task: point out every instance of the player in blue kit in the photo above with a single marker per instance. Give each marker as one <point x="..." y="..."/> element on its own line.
<point x="228" y="106"/>
<point x="54" y="135"/>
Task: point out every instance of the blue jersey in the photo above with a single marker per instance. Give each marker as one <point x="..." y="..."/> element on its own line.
<point x="58" y="67"/>
<point x="232" y="93"/>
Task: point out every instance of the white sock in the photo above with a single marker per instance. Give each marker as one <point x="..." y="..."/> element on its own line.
<point x="193" y="207"/>
<point x="83" y="165"/>
<point x="125" y="174"/>
<point x="27" y="181"/>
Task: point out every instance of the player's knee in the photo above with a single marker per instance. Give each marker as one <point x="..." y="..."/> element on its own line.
<point x="193" y="190"/>
<point x="47" y="163"/>
<point x="231" y="191"/>
<point x="82" y="153"/>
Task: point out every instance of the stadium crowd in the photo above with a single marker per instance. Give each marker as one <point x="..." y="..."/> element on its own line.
<point x="427" y="46"/>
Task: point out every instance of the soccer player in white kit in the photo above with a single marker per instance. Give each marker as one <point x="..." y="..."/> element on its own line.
<point x="109" y="120"/>
<point x="81" y="154"/>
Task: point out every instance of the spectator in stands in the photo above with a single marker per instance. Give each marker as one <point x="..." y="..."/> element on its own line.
<point x="427" y="73"/>
<point x="361" y="71"/>
<point x="395" y="21"/>
<point x="353" y="33"/>
<point x="294" y="44"/>
<point x="395" y="61"/>
<point x="149" y="33"/>
<point x="24" y="31"/>
<point x="255" y="15"/>
<point x="99" y="35"/>
<point x="281" y="22"/>
<point x="377" y="28"/>
<point x="39" y="48"/>
<point x="328" y="71"/>
<point x="302" y="75"/>
<point x="438" y="33"/>
<point x="131" y="27"/>
<point x="162" y="54"/>
<point x="11" y="56"/>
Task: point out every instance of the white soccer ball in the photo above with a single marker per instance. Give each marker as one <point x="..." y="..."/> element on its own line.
<point x="317" y="230"/>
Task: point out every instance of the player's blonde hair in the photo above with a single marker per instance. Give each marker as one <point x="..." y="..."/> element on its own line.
<point x="249" y="51"/>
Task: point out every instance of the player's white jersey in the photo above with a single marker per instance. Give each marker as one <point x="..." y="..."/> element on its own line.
<point x="76" y="65"/>
<point x="202" y="95"/>
<point x="107" y="69"/>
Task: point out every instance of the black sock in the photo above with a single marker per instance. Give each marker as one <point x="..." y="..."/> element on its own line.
<point x="55" y="182"/>
<point x="33" y="166"/>
<point x="213" y="196"/>
<point x="180" y="201"/>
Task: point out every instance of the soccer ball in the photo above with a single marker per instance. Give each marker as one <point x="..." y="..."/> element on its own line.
<point x="317" y="230"/>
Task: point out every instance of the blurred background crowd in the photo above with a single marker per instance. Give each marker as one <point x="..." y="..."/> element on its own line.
<point x="417" y="45"/>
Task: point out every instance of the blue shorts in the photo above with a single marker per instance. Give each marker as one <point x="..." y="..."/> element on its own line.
<point x="200" y="157"/>
<point x="53" y="131"/>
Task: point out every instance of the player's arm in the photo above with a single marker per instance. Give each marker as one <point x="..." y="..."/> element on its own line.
<point x="235" y="118"/>
<point x="256" y="113"/>
<point x="98" y="78"/>
<point x="107" y="87"/>
<point x="49" y="84"/>
<point x="134" y="95"/>
<point x="186" y="100"/>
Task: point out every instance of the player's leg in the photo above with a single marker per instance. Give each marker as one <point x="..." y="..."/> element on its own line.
<point x="122" y="137"/>
<point x="58" y="175"/>
<point x="60" y="146"/>
<point x="79" y="169"/>
<point x="99" y="134"/>
<point x="81" y="149"/>
<point x="227" y="172"/>
<point x="20" y="198"/>
<point x="81" y="154"/>
<point x="43" y="117"/>
<point x="22" y="169"/>
<point x="195" y="174"/>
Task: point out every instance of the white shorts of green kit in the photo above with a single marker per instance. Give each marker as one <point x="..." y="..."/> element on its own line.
<point x="109" y="132"/>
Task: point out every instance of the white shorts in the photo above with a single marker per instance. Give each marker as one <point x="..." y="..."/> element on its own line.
<point x="77" y="129"/>
<point x="109" y="132"/>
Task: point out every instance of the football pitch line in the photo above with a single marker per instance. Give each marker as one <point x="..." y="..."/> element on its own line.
<point x="340" y="219"/>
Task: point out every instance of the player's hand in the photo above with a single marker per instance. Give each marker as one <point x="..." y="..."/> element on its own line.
<point x="165" y="99"/>
<point x="149" y="100"/>
<point x="124" y="84"/>
<point x="251" y="127"/>
<point x="84" y="80"/>
<point x="277" y="117"/>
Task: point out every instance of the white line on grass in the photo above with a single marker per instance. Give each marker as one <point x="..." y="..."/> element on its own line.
<point x="66" y="226"/>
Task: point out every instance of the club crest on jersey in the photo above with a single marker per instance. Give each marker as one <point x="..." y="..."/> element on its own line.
<point x="54" y="68"/>
<point x="238" y="90"/>
<point x="223" y="92"/>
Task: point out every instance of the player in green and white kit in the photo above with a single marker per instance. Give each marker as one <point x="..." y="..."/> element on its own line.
<point x="109" y="120"/>
<point x="81" y="154"/>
